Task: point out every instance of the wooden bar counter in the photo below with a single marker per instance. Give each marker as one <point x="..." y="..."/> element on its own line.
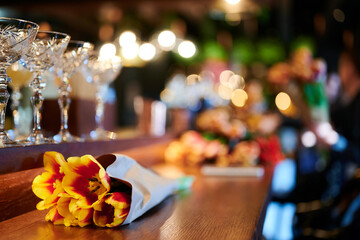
<point x="214" y="208"/>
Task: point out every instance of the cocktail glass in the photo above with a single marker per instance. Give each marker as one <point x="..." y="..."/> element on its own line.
<point x="74" y="56"/>
<point x="20" y="77"/>
<point x="16" y="37"/>
<point x="101" y="71"/>
<point x="46" y="49"/>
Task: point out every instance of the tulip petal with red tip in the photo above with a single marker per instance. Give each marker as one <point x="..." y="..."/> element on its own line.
<point x="112" y="211"/>
<point x="53" y="161"/>
<point x="73" y="214"/>
<point x="54" y="217"/>
<point x="86" y="180"/>
<point x="47" y="186"/>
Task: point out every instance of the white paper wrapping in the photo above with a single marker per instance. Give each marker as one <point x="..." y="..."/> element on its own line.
<point x="148" y="188"/>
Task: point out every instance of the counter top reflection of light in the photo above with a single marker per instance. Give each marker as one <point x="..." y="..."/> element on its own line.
<point x="187" y="49"/>
<point x="283" y="101"/>
<point x="167" y="39"/>
<point x="308" y="139"/>
<point x="127" y="38"/>
<point x="107" y="51"/>
<point x="147" y="51"/>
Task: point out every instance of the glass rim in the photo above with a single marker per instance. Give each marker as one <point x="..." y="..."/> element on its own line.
<point x="55" y="32"/>
<point x="82" y="42"/>
<point x="21" y="20"/>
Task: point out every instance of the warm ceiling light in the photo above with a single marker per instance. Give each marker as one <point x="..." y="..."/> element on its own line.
<point x="147" y="51"/>
<point x="239" y="97"/>
<point x="283" y="101"/>
<point x="224" y="92"/>
<point x="232" y="2"/>
<point x="127" y="38"/>
<point x="225" y="76"/>
<point x="108" y="50"/>
<point x="187" y="49"/>
<point x="308" y="139"/>
<point x="131" y="51"/>
<point x="339" y="15"/>
<point x="236" y="81"/>
<point x="323" y="129"/>
<point x="167" y="39"/>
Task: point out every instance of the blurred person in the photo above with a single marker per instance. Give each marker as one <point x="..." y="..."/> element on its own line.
<point x="337" y="215"/>
<point x="346" y="113"/>
<point x="332" y="88"/>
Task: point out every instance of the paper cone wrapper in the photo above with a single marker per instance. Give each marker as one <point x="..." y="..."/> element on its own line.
<point x="148" y="188"/>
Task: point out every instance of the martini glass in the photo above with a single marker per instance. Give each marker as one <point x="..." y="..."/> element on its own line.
<point x="20" y="76"/>
<point x="74" y="56"/>
<point x="101" y="71"/>
<point x="16" y="37"/>
<point x="44" y="52"/>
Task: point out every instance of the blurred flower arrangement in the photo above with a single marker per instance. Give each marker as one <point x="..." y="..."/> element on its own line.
<point x="79" y="192"/>
<point x="302" y="82"/>
<point x="224" y="141"/>
<point x="235" y="130"/>
<point x="303" y="78"/>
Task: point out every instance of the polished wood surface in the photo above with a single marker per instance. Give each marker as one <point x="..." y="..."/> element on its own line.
<point x="214" y="208"/>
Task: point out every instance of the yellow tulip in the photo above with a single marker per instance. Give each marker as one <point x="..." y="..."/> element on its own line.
<point x="85" y="180"/>
<point x="112" y="210"/>
<point x="47" y="186"/>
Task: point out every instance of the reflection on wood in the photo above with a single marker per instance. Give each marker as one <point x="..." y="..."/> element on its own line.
<point x="215" y="208"/>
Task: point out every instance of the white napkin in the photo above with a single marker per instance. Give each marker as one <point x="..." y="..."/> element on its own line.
<point x="148" y="188"/>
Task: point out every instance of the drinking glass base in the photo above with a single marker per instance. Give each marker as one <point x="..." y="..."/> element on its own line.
<point x="101" y="134"/>
<point x="37" y="138"/>
<point x="5" y="141"/>
<point x="65" y="136"/>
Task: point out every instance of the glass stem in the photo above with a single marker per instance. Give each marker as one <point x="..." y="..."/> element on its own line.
<point x="64" y="104"/>
<point x="100" y="106"/>
<point x="16" y="97"/>
<point x="37" y="100"/>
<point x="4" y="97"/>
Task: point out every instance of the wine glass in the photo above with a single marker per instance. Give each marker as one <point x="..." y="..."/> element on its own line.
<point x="74" y="55"/>
<point x="44" y="52"/>
<point x="101" y="71"/>
<point x="20" y="76"/>
<point x="16" y="37"/>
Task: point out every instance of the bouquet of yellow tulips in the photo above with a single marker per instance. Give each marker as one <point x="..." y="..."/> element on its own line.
<point x="79" y="191"/>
